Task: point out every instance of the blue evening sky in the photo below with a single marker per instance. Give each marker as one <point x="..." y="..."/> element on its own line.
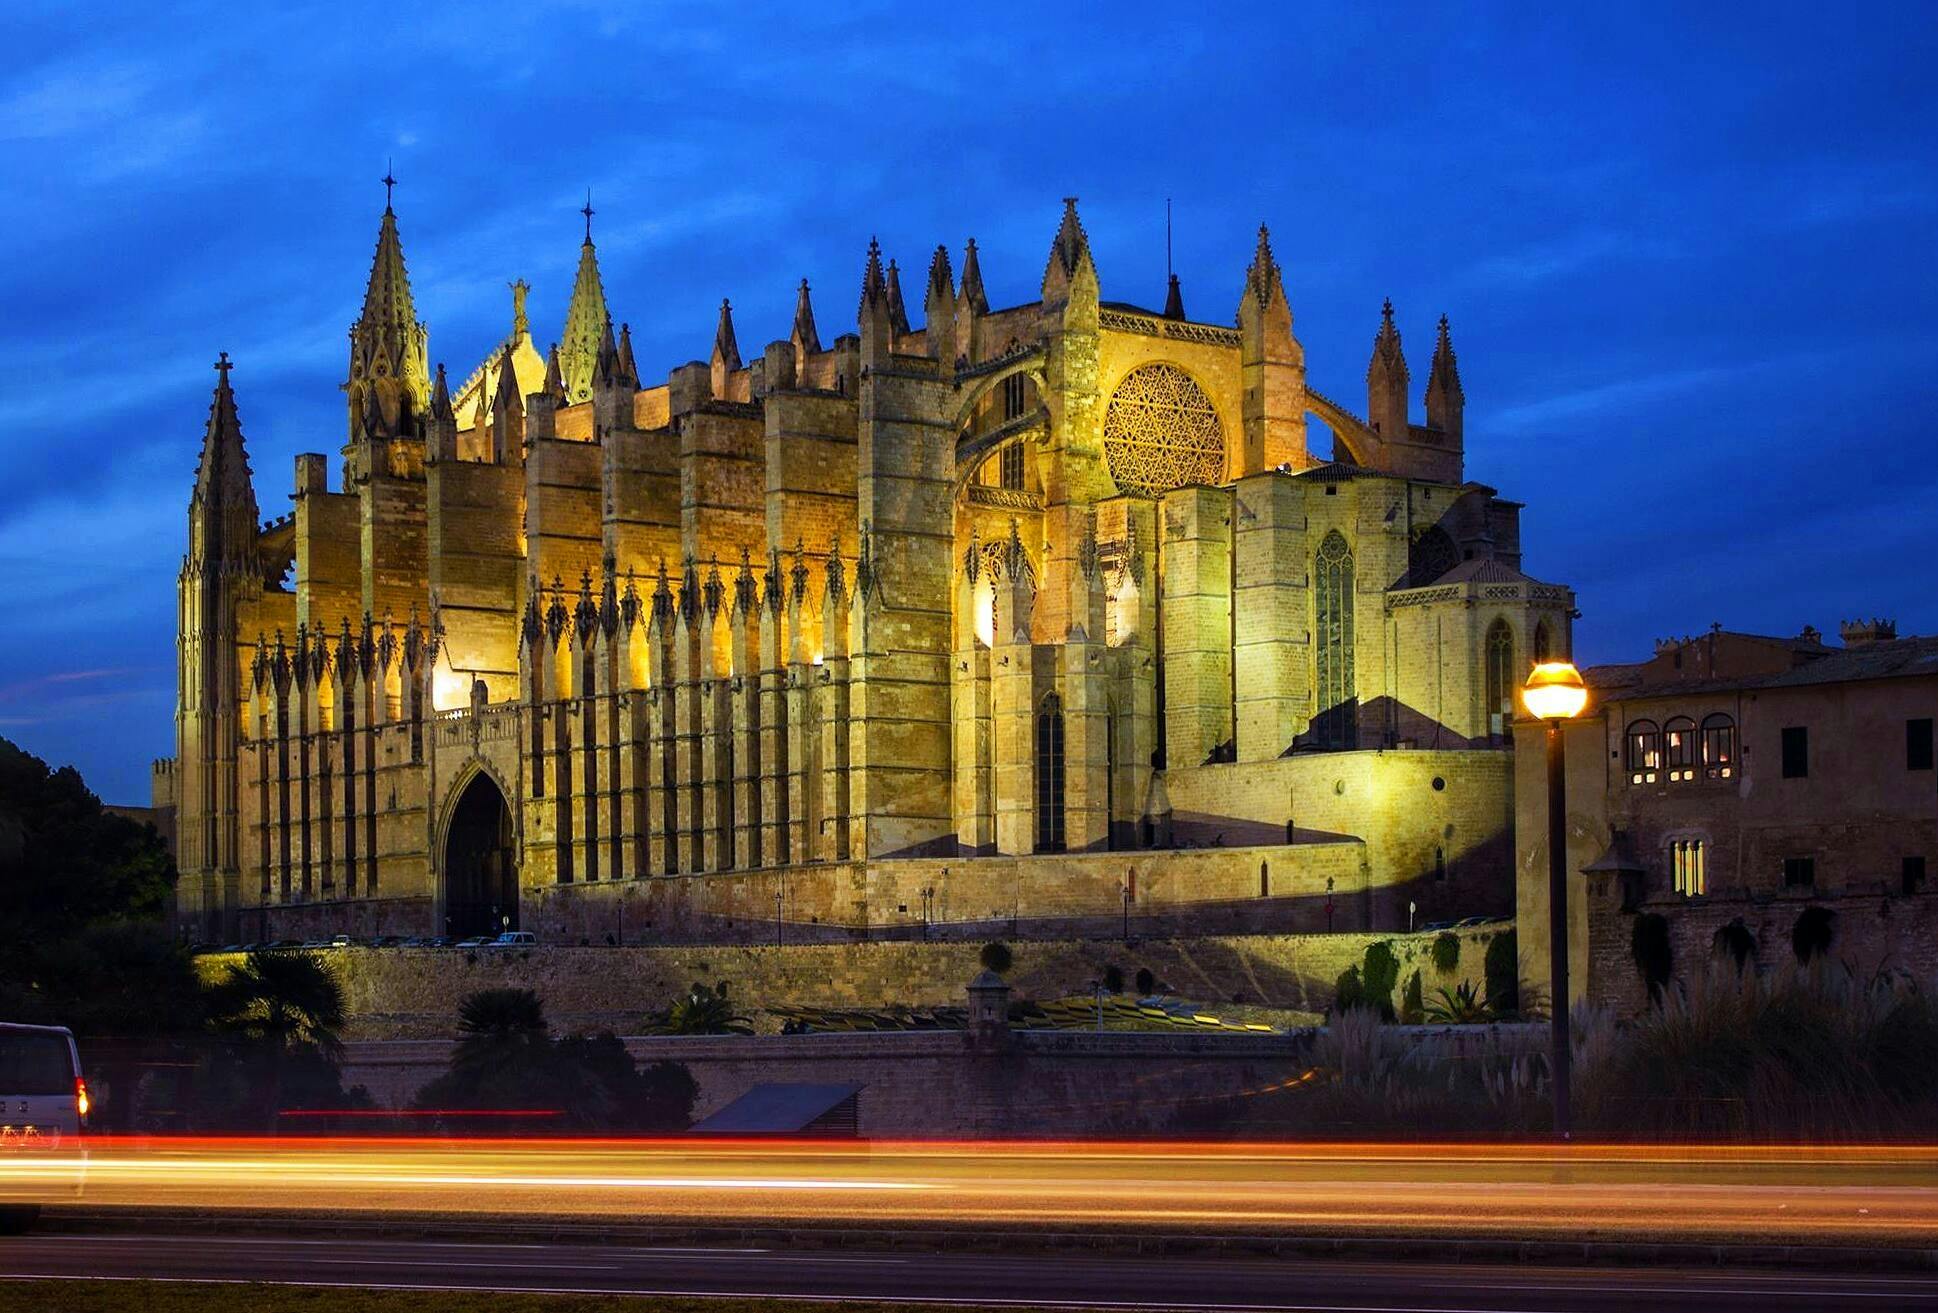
<point x="1690" y="253"/>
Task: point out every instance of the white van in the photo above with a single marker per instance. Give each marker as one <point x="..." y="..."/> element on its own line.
<point x="43" y="1108"/>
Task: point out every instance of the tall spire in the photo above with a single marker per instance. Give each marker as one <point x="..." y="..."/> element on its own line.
<point x="875" y="318"/>
<point x="1174" y="300"/>
<point x="1445" y="400"/>
<point x="1386" y="378"/>
<point x="972" y="291"/>
<point x="586" y="320"/>
<point x="1069" y="253"/>
<point x="222" y="510"/>
<point x="897" y="307"/>
<point x="726" y="350"/>
<point x="806" y="341"/>
<point x="939" y="308"/>
<point x="625" y="369"/>
<point x="441" y="396"/>
<point x="388" y="357"/>
<point x="874" y="290"/>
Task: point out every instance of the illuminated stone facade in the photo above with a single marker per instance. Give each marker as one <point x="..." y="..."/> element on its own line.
<point x="781" y="634"/>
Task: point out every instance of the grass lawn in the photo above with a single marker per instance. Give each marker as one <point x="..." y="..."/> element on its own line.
<point x="193" y="1297"/>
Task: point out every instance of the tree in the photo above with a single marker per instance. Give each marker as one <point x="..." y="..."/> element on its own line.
<point x="69" y="865"/>
<point x="1811" y="935"/>
<point x="1113" y="981"/>
<point x="506" y="1061"/>
<point x="996" y="957"/>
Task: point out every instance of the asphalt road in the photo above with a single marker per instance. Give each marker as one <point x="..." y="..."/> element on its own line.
<point x="1816" y="1196"/>
<point x="1032" y="1280"/>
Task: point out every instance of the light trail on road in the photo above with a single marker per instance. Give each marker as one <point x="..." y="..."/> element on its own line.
<point x="1779" y="1195"/>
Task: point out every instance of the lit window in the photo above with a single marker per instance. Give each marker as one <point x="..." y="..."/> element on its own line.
<point x="1644" y="752"/>
<point x="1543" y="644"/>
<point x="1691" y="867"/>
<point x="1718" y="747"/>
<point x="1013" y="397"/>
<point x="1679" y="748"/>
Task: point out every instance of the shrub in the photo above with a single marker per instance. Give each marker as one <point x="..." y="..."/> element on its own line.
<point x="1735" y="942"/>
<point x="1412" y="1010"/>
<point x="1348" y="993"/>
<point x="1380" y="974"/>
<point x="1811" y="935"/>
<point x="1771" y="1055"/>
<point x="1446" y="952"/>
<point x="1113" y="979"/>
<point x="1460" y="1006"/>
<point x="1503" y="974"/>
<point x="997" y="957"/>
<point x="1650" y="948"/>
<point x="1146" y="982"/>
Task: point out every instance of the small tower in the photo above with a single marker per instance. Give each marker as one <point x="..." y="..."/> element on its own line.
<point x="1386" y="380"/>
<point x="897" y="306"/>
<point x="1445" y="400"/>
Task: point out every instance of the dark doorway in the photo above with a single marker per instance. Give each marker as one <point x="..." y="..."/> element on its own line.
<point x="480" y="878"/>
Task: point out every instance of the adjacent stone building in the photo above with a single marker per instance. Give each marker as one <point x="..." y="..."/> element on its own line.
<point x="1731" y="784"/>
<point x="826" y="631"/>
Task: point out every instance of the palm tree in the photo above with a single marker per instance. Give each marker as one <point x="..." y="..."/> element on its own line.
<point x="274" y="1005"/>
<point x="702" y="1011"/>
<point x="498" y="1028"/>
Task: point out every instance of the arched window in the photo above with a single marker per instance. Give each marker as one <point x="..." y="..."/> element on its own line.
<point x="1431" y="554"/>
<point x="1500" y="676"/>
<point x="1679" y="748"/>
<point x="1644" y="751"/>
<point x="1332" y="584"/>
<point x="1689" y="867"/>
<point x="1543" y="643"/>
<point x="1718" y="747"/>
<point x="1049" y="775"/>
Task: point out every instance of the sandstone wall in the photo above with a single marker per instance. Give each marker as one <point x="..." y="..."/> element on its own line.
<point x="414" y="993"/>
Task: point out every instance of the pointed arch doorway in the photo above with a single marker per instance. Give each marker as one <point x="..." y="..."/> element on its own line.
<point x="480" y="873"/>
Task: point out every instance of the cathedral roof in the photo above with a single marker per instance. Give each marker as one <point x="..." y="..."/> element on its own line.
<point x="1484" y="570"/>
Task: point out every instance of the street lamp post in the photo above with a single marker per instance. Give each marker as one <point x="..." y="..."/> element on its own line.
<point x="1555" y="695"/>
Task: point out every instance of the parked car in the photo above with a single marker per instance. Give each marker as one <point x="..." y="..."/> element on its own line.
<point x="387" y="941"/>
<point x="475" y="941"/>
<point x="277" y="944"/>
<point x="438" y="941"/>
<point x="515" y="939"/>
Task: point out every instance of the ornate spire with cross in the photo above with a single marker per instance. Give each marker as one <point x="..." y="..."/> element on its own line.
<point x="588" y="212"/>
<point x="390" y="182"/>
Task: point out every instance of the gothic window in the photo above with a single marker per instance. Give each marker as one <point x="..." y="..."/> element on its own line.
<point x="1718" y="747"/>
<point x="1679" y="748"/>
<point x="1049" y="776"/>
<point x="1013" y="397"/>
<point x="1644" y="751"/>
<point x="1500" y="675"/>
<point x="1012" y="466"/>
<point x="1161" y="432"/>
<point x="1332" y="581"/>
<point x="1543" y="643"/>
<point x="1689" y="866"/>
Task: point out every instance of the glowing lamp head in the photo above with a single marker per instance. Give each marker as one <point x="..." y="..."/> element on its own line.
<point x="1554" y="691"/>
